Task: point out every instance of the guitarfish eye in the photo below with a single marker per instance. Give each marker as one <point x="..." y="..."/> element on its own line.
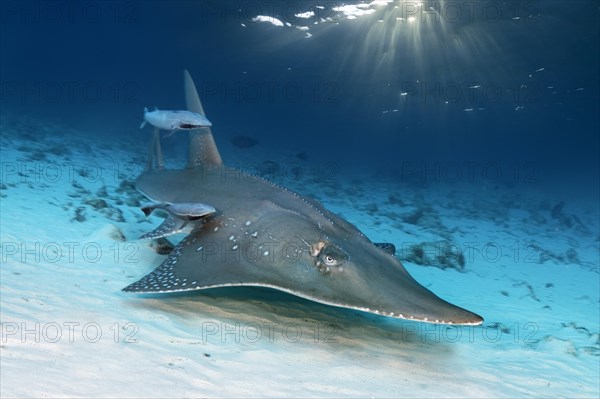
<point x="331" y="255"/>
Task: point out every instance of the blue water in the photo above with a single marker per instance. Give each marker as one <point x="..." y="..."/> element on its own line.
<point x="528" y="70"/>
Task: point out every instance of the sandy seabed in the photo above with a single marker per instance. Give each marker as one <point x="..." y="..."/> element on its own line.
<point x="70" y="217"/>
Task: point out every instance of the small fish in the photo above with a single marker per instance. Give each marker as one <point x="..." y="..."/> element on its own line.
<point x="174" y="120"/>
<point x="244" y="141"/>
<point x="180" y="215"/>
<point x="185" y="210"/>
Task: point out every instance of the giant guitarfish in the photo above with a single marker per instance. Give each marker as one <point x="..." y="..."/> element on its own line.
<point x="261" y="234"/>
